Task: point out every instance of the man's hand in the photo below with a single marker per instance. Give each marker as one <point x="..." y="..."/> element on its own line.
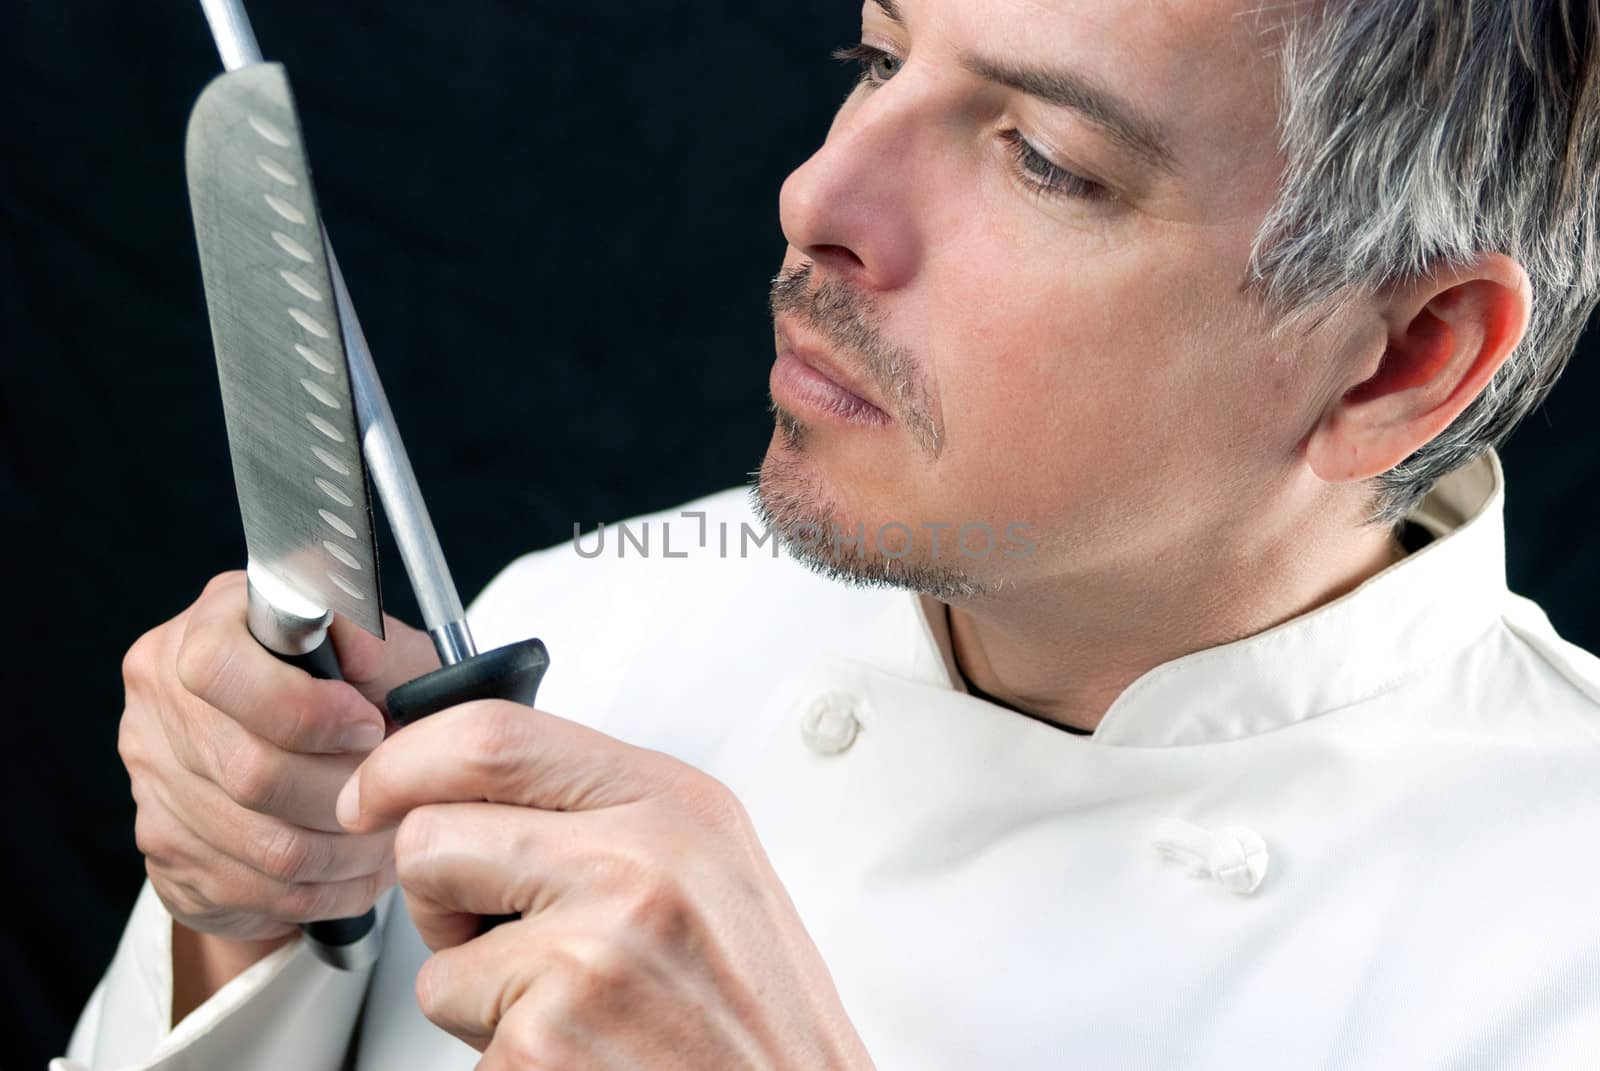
<point x="655" y="933"/>
<point x="235" y="760"/>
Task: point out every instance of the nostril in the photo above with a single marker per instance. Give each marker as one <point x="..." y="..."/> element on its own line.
<point x="840" y="258"/>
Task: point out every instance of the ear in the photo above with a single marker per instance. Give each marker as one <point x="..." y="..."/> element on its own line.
<point x="1445" y="338"/>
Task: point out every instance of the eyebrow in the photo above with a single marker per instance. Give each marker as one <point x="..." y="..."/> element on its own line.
<point x="1124" y="123"/>
<point x="1119" y="119"/>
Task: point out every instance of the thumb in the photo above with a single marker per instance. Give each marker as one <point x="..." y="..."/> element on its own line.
<point x="375" y="667"/>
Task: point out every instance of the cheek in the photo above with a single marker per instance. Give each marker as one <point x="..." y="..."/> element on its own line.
<point x="1104" y="380"/>
<point x="1032" y="376"/>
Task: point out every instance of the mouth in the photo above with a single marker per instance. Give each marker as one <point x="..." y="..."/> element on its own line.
<point x="805" y="378"/>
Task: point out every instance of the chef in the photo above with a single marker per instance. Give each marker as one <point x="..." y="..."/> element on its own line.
<point x="1138" y="686"/>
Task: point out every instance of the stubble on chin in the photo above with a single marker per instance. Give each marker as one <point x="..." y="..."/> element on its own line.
<point x="790" y="429"/>
<point x="793" y="503"/>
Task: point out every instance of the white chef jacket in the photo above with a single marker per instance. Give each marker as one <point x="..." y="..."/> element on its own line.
<point x="1363" y="839"/>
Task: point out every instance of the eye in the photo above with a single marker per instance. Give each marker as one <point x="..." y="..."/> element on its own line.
<point x="1046" y="176"/>
<point x="876" y="65"/>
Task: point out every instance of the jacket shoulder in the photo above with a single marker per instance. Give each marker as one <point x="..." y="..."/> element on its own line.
<point x="1577" y="667"/>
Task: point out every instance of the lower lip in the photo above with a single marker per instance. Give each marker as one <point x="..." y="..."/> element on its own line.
<point x="796" y="385"/>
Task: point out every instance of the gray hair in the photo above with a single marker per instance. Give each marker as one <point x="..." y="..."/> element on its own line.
<point x="1419" y="133"/>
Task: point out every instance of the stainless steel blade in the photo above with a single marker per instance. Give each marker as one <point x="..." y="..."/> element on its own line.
<point x="281" y="360"/>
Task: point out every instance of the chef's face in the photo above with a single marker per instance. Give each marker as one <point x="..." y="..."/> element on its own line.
<point x="1019" y="257"/>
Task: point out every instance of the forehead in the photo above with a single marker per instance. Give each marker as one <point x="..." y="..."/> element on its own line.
<point x="1223" y="31"/>
<point x="1207" y="70"/>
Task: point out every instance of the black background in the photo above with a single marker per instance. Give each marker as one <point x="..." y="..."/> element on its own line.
<point x="557" y="221"/>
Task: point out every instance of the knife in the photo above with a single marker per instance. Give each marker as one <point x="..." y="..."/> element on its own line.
<point x="308" y="423"/>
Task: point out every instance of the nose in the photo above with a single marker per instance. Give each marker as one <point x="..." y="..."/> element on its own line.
<point x="851" y="207"/>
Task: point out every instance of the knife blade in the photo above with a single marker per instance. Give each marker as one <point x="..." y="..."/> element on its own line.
<point x="292" y="428"/>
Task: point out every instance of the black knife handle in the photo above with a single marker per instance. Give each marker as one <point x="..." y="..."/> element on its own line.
<point x="302" y="640"/>
<point x="512" y="672"/>
<point x="348" y="944"/>
<point x="322" y="662"/>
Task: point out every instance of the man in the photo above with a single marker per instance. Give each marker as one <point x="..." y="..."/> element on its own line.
<point x="1140" y="364"/>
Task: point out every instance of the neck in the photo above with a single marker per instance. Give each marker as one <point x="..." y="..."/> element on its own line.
<point x="1065" y="648"/>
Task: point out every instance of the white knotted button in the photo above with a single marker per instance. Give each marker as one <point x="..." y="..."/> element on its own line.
<point x="1235" y="857"/>
<point x="830" y="725"/>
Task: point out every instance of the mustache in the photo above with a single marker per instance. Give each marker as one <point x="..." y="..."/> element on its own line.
<point x="847" y="321"/>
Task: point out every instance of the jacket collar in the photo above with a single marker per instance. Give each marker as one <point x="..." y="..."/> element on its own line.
<point x="1422" y="609"/>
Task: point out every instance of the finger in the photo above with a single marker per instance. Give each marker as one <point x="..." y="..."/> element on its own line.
<point x="220" y="662"/>
<point x="173" y="856"/>
<point x="257" y="774"/>
<point x="533" y="1036"/>
<point x="465" y="991"/>
<point x="561" y="999"/>
<point x="459" y="861"/>
<point x="272" y="847"/>
<point x="525" y="986"/>
<point x="376" y="667"/>
<point x="500" y="752"/>
<point x="210" y="884"/>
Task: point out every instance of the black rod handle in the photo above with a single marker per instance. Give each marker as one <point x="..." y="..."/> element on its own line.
<point x="511" y="672"/>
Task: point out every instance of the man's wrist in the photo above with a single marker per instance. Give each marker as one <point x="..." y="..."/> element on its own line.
<point x="203" y="963"/>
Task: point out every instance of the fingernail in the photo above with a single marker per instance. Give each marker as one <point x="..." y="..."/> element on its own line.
<point x="362" y="736"/>
<point x="348" y="808"/>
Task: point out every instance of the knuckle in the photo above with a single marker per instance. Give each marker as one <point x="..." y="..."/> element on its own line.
<point x="716" y="806"/>
<point x="250" y="776"/>
<point x="371" y="887"/>
<point x="588" y="973"/>
<point x="532" y="1041"/>
<point x="314" y="901"/>
<point x="129" y="746"/>
<point x="190" y="741"/>
<point x="416" y="841"/>
<point x="432" y="989"/>
<point x="299" y="725"/>
<point x="529" y="1046"/>
<point x="154" y="838"/>
<point x="495" y="733"/>
<point x="710" y="801"/>
<point x="140" y="659"/>
<point x="302" y="719"/>
<point x="203" y="661"/>
<point x="616" y="869"/>
<point x="289" y="855"/>
<point x="657" y="907"/>
<point x="305" y="902"/>
<point x="209" y="892"/>
<point x="181" y="901"/>
<point x="226" y="582"/>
